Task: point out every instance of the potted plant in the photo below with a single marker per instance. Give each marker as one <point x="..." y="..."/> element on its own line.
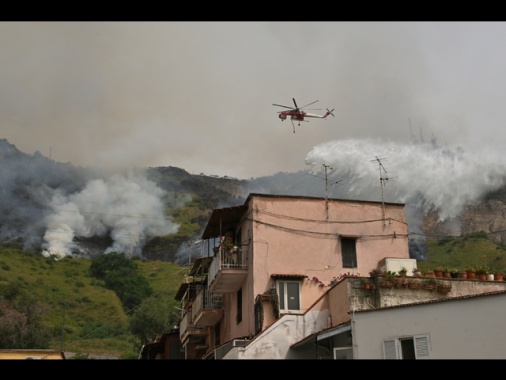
<point x="499" y="275"/>
<point x="414" y="284"/>
<point x="446" y="272"/>
<point x="429" y="284"/>
<point x="388" y="280"/>
<point x="438" y="272"/>
<point x="375" y="273"/>
<point x="403" y="271"/>
<point x="481" y="272"/>
<point x="490" y="273"/>
<point x="454" y="272"/>
<point x="444" y="288"/>
<point x="366" y="284"/>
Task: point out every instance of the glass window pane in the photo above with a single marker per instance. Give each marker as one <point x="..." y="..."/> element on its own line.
<point x="293" y="295"/>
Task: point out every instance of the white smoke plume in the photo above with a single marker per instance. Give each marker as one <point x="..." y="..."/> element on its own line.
<point x="445" y="179"/>
<point x="128" y="208"/>
<point x="425" y="177"/>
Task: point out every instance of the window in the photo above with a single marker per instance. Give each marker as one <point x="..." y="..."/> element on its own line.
<point x="289" y="295"/>
<point x="415" y="347"/>
<point x="349" y="252"/>
<point x="342" y="353"/>
<point x="239" y="306"/>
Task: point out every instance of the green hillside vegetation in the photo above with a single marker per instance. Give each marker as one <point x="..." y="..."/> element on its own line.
<point x="460" y="253"/>
<point x="60" y="305"/>
<point x="63" y="305"/>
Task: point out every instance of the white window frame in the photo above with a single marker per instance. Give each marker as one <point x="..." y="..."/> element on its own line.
<point x="285" y="295"/>
<point x="341" y="353"/>
<point x="392" y="347"/>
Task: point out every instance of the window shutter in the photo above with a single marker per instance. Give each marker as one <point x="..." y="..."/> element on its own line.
<point x="390" y="350"/>
<point x="422" y="347"/>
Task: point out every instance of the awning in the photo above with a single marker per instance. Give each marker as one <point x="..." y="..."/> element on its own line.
<point x="223" y="219"/>
<point x="323" y="334"/>
<point x="288" y="276"/>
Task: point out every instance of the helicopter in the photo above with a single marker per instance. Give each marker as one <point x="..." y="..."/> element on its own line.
<point x="299" y="115"/>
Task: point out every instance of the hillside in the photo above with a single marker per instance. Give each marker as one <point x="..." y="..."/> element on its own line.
<point x="469" y="251"/>
<point x="84" y="318"/>
<point x="80" y="315"/>
<point x="83" y="212"/>
<point x="73" y="310"/>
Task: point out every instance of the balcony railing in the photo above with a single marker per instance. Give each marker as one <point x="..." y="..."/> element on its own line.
<point x="230" y="264"/>
<point x="207" y="300"/>
<point x="188" y="329"/>
<point x="207" y="308"/>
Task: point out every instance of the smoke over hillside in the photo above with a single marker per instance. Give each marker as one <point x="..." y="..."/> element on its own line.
<point x="62" y="210"/>
<point x="425" y="177"/>
<point x="434" y="178"/>
<point x="48" y="204"/>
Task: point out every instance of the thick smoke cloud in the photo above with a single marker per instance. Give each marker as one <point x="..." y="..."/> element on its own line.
<point x="442" y="179"/>
<point x="425" y="177"/>
<point x="128" y="208"/>
<point x="58" y="206"/>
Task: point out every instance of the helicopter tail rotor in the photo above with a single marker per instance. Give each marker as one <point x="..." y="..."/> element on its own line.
<point x="329" y="112"/>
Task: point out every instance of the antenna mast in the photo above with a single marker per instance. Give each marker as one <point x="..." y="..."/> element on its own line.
<point x="325" y="166"/>
<point x="383" y="177"/>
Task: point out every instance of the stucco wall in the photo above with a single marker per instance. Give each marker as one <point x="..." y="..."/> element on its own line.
<point x="300" y="236"/>
<point x="467" y="328"/>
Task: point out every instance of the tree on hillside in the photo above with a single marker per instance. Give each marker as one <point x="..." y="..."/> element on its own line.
<point x="108" y="262"/>
<point x="129" y="285"/>
<point x="153" y="318"/>
<point x="121" y="275"/>
<point x="20" y="325"/>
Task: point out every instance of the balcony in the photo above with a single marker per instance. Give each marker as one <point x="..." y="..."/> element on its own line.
<point x="189" y="333"/>
<point x="228" y="270"/>
<point x="207" y="308"/>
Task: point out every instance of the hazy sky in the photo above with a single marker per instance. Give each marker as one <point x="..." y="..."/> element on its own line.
<point x="199" y="95"/>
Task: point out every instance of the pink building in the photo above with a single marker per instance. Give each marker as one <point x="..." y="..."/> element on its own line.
<point x="271" y="263"/>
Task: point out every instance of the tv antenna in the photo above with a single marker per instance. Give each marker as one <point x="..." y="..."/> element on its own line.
<point x="383" y="178"/>
<point x="325" y="167"/>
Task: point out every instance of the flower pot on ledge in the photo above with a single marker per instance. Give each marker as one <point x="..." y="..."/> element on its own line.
<point x="386" y="284"/>
<point x="444" y="289"/>
<point x="415" y="285"/>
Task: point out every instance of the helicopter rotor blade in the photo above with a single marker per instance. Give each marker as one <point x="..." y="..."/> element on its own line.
<point x="279" y="105"/>
<point x="297" y="108"/>
<point x="308" y="104"/>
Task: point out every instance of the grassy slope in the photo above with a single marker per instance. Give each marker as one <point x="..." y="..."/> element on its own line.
<point x="464" y="252"/>
<point x="81" y="312"/>
<point x="79" y="309"/>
